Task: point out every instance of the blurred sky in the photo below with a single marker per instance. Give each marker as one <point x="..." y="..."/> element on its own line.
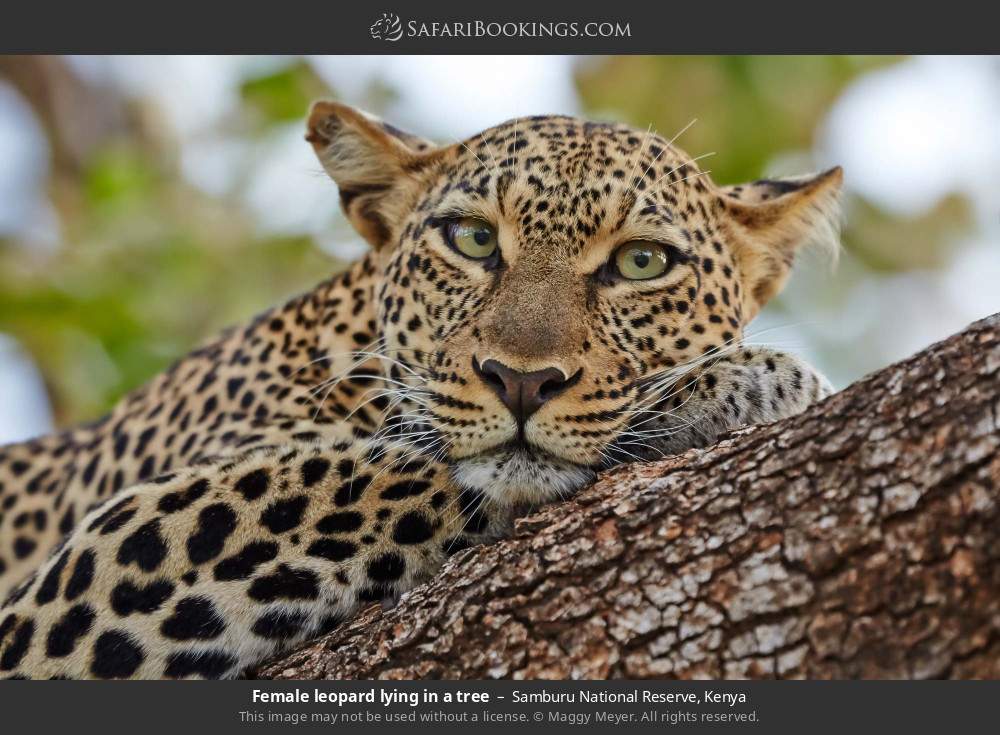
<point x="909" y="134"/>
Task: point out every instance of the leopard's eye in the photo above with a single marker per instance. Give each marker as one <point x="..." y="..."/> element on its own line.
<point x="641" y="260"/>
<point x="473" y="237"/>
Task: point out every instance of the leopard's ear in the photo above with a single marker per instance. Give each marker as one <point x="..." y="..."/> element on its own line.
<point x="372" y="162"/>
<point x="772" y="220"/>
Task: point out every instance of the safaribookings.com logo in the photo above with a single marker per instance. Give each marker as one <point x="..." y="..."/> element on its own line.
<point x="387" y="28"/>
<point x="390" y="28"/>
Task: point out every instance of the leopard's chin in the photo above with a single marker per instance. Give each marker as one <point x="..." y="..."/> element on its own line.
<point x="521" y="476"/>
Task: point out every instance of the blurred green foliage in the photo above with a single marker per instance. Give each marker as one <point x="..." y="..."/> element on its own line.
<point x="282" y="95"/>
<point x="149" y="266"/>
<point x="750" y="108"/>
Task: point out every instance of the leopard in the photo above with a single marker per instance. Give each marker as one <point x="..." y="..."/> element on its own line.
<point x="540" y="302"/>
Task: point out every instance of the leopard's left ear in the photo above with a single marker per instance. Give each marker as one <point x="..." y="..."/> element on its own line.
<point x="372" y="162"/>
<point x="774" y="219"/>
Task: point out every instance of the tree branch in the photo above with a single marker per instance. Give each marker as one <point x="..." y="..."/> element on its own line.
<point x="860" y="539"/>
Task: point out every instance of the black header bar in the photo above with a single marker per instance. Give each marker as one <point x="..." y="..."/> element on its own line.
<point x="512" y="27"/>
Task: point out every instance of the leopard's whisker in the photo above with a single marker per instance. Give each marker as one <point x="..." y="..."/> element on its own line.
<point x="477" y="157"/>
<point x="496" y="166"/>
<point x="667" y="147"/>
<point x="401" y="459"/>
<point x="638" y="159"/>
<point x="677" y="168"/>
<point x="398" y="395"/>
<point x="678" y="371"/>
<point x="360" y="357"/>
<point x="332" y="356"/>
<point x="397" y="422"/>
<point x="617" y="448"/>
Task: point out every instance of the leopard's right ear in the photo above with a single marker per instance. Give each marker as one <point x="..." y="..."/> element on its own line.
<point x="372" y="163"/>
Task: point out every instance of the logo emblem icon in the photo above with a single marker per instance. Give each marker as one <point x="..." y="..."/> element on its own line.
<point x="387" y="28"/>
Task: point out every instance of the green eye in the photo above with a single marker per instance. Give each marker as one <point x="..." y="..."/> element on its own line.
<point x="640" y="260"/>
<point x="473" y="237"/>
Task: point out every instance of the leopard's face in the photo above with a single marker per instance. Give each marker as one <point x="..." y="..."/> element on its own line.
<point x="546" y="283"/>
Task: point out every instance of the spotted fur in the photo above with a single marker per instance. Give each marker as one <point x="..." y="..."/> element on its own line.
<point x="335" y="450"/>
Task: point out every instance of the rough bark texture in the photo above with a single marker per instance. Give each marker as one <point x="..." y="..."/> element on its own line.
<point x="861" y="539"/>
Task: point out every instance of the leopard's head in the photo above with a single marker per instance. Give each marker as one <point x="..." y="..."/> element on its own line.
<point x="544" y="284"/>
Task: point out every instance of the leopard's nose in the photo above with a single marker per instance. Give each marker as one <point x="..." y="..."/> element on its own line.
<point x="523" y="393"/>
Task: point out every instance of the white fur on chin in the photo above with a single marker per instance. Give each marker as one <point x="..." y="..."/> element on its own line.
<point x="517" y="477"/>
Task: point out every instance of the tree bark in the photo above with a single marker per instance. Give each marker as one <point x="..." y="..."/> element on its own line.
<point x="860" y="539"/>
